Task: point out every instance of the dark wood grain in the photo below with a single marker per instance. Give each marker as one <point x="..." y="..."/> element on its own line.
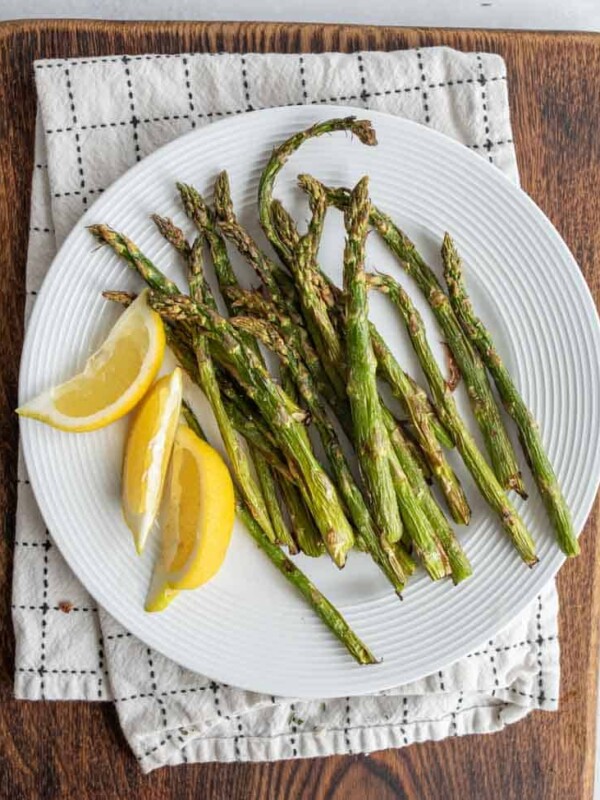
<point x="76" y="749"/>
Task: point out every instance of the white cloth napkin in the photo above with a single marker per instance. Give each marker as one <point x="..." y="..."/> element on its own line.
<point x="96" y="118"/>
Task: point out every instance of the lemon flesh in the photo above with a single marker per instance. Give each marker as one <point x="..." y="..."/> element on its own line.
<point x="147" y="453"/>
<point x="114" y="378"/>
<point x="196" y="520"/>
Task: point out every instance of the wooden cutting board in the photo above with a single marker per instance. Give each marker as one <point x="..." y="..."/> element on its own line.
<point x="59" y="750"/>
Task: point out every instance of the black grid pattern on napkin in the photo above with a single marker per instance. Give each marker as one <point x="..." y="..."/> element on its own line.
<point x="164" y="692"/>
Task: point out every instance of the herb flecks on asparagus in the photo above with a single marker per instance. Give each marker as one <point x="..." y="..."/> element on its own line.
<point x="514" y="404"/>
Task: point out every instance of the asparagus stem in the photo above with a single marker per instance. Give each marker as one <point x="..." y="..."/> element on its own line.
<point x="406" y="390"/>
<point x="125" y="248"/>
<point x="305" y="533"/>
<point x="173" y="234"/>
<point x="415" y="450"/>
<point x="482" y="400"/>
<point x="277" y="281"/>
<point x="372" y="445"/>
<point x="529" y="433"/>
<point x="259" y="439"/>
<point x="318" y="491"/>
<point x="199" y="212"/>
<point x="303" y="265"/>
<point x="417" y="407"/>
<point x="446" y="407"/>
<point x="251" y="303"/>
<point x="459" y="564"/>
<point x="239" y="459"/>
<point x="288" y="233"/>
<point x="269" y="490"/>
<point x="326" y="611"/>
<point x="417" y="524"/>
<point x="382" y="552"/>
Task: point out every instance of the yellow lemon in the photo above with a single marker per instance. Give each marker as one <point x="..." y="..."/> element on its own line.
<point x="147" y="453"/>
<point x="196" y="521"/>
<point x="114" y="378"/>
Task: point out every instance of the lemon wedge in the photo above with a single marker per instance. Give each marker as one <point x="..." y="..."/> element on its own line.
<point x="114" y="378"/>
<point x="196" y="520"/>
<point x="147" y="453"/>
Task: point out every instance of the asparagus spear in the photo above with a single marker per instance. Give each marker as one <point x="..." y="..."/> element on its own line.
<point x="173" y="234"/>
<point x="253" y="432"/>
<point x="372" y="445"/>
<point x="446" y="407"/>
<point x="240" y="462"/>
<point x="288" y="233"/>
<point x="406" y="390"/>
<point x="403" y="386"/>
<point x="270" y="272"/>
<point x="326" y="611"/>
<point x="268" y="486"/>
<point x="460" y="567"/>
<point x="417" y="406"/>
<point x="276" y="407"/>
<point x="414" y="449"/>
<point x="458" y="561"/>
<point x="200" y="213"/>
<point x="529" y="434"/>
<point x="361" y="128"/>
<point x="200" y="291"/>
<point x="305" y="532"/>
<point x="395" y="565"/>
<point x="306" y="535"/>
<point x="303" y="265"/>
<point x="482" y="400"/>
<point x="281" y="294"/>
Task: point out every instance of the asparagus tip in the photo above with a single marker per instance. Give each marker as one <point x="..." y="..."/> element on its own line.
<point x="364" y="130"/>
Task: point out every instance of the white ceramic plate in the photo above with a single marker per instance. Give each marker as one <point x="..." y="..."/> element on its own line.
<point x="247" y="627"/>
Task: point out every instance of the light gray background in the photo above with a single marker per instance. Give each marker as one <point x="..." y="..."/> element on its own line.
<point x="548" y="14"/>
